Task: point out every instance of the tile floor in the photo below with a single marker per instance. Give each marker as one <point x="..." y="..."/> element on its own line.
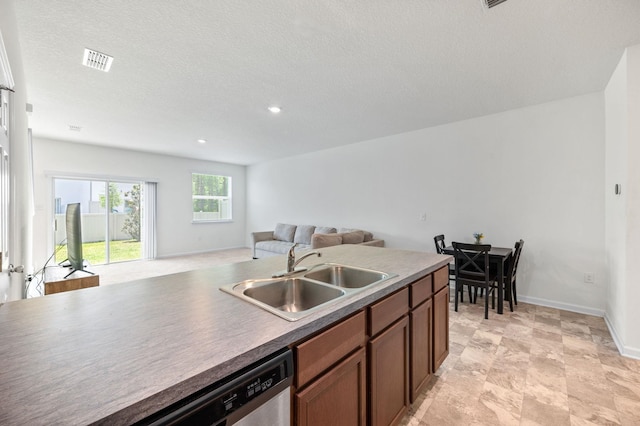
<point x="534" y="366"/>
<point x="128" y="271"/>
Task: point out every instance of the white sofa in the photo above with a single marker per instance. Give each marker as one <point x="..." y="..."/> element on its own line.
<point x="280" y="240"/>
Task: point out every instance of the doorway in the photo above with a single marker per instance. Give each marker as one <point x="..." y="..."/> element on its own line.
<point x="112" y="219"/>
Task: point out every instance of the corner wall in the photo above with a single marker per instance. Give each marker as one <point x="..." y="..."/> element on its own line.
<point x="623" y="211"/>
<point x="176" y="234"/>
<point x="632" y="346"/>
<point x="534" y="173"/>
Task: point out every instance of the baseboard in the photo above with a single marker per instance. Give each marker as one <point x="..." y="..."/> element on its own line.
<point x="624" y="351"/>
<point x="560" y="305"/>
<point x="190" y="253"/>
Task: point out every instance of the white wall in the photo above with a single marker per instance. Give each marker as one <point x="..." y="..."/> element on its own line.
<point x="535" y="173"/>
<point x="175" y="232"/>
<point x="623" y="212"/>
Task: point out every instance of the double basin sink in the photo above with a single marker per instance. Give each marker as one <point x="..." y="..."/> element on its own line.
<point x="294" y="297"/>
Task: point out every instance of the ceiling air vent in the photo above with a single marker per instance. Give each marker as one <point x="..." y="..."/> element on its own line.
<point x="492" y="3"/>
<point x="96" y="60"/>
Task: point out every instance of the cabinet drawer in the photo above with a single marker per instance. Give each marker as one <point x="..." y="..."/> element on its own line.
<point x="327" y="348"/>
<point x="440" y="279"/>
<point x="385" y="312"/>
<point x="421" y="290"/>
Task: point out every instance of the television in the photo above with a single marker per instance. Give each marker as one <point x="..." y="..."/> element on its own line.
<point x="74" y="239"/>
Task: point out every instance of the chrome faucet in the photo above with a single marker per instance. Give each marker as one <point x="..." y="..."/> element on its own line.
<point x="292" y="262"/>
<point x="291" y="259"/>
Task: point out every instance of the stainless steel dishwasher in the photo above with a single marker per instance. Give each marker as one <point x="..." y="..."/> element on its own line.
<point x="258" y="395"/>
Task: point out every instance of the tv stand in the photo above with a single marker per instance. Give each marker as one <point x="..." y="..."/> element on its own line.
<point x="73" y="271"/>
<point x="66" y="264"/>
<point x="58" y="279"/>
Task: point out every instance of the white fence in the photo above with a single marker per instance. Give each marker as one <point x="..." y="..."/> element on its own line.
<point x="94" y="227"/>
<point x="204" y="216"/>
<point x="223" y="214"/>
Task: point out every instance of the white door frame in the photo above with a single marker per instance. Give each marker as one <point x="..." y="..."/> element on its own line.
<point x="7" y="83"/>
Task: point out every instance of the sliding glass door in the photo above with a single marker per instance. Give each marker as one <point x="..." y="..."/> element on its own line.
<point x="111" y="218"/>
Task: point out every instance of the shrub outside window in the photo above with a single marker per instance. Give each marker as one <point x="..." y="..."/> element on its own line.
<point x="211" y="197"/>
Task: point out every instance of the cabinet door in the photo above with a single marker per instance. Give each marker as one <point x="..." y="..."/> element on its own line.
<point x="440" y="327"/>
<point x="389" y="374"/>
<point x="338" y="397"/>
<point x="420" y="324"/>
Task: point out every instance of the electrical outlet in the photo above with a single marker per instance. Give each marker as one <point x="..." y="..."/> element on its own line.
<point x="589" y="277"/>
<point x="423" y="217"/>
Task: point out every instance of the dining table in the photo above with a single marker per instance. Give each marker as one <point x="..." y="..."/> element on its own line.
<point x="499" y="257"/>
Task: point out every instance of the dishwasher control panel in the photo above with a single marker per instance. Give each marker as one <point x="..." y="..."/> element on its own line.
<point x="232" y="399"/>
<point x="245" y="392"/>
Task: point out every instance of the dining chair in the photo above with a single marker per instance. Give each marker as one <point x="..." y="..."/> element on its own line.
<point x="510" y="282"/>
<point x="472" y="270"/>
<point x="440" y="245"/>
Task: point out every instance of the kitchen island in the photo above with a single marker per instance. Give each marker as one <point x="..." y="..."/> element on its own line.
<point x="115" y="354"/>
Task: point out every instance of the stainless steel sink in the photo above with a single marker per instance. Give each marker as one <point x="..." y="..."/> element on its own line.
<point x="290" y="298"/>
<point x="297" y="296"/>
<point x="346" y="276"/>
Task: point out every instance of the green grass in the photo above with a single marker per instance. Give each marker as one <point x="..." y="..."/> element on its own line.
<point x="94" y="253"/>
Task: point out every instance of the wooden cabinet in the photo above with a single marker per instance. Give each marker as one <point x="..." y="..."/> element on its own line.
<point x="389" y="374"/>
<point x="330" y="380"/>
<point x="366" y="369"/>
<point x="421" y="319"/>
<point x="384" y="312"/>
<point x="440" y="279"/>
<point x="421" y="334"/>
<point x="319" y="353"/>
<point x="389" y="359"/>
<point x="337" y="397"/>
<point x="440" y="327"/>
<point x="56" y="280"/>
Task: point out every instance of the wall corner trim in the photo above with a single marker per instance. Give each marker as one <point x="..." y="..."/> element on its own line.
<point x="624" y="351"/>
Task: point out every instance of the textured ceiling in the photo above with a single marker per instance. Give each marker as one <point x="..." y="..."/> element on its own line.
<point x="342" y="71"/>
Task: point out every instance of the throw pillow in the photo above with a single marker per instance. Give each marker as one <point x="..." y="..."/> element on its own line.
<point x="325" y="240"/>
<point x="368" y="236"/>
<point x="303" y="234"/>
<point x="284" y="232"/>
<point x="353" y="237"/>
<point x="325" y="230"/>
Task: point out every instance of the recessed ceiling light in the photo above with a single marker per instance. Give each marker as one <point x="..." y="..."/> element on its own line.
<point x="202" y="141"/>
<point x="274" y="109"/>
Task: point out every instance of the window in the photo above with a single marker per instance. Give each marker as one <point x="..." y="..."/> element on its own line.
<point x="211" y="197"/>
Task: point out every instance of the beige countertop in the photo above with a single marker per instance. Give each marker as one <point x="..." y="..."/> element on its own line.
<point x="115" y="354"/>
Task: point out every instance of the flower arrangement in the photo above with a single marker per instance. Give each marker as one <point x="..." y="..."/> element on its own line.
<point x="478" y="236"/>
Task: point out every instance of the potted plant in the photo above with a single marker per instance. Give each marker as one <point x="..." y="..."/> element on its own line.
<point x="478" y="236"/>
